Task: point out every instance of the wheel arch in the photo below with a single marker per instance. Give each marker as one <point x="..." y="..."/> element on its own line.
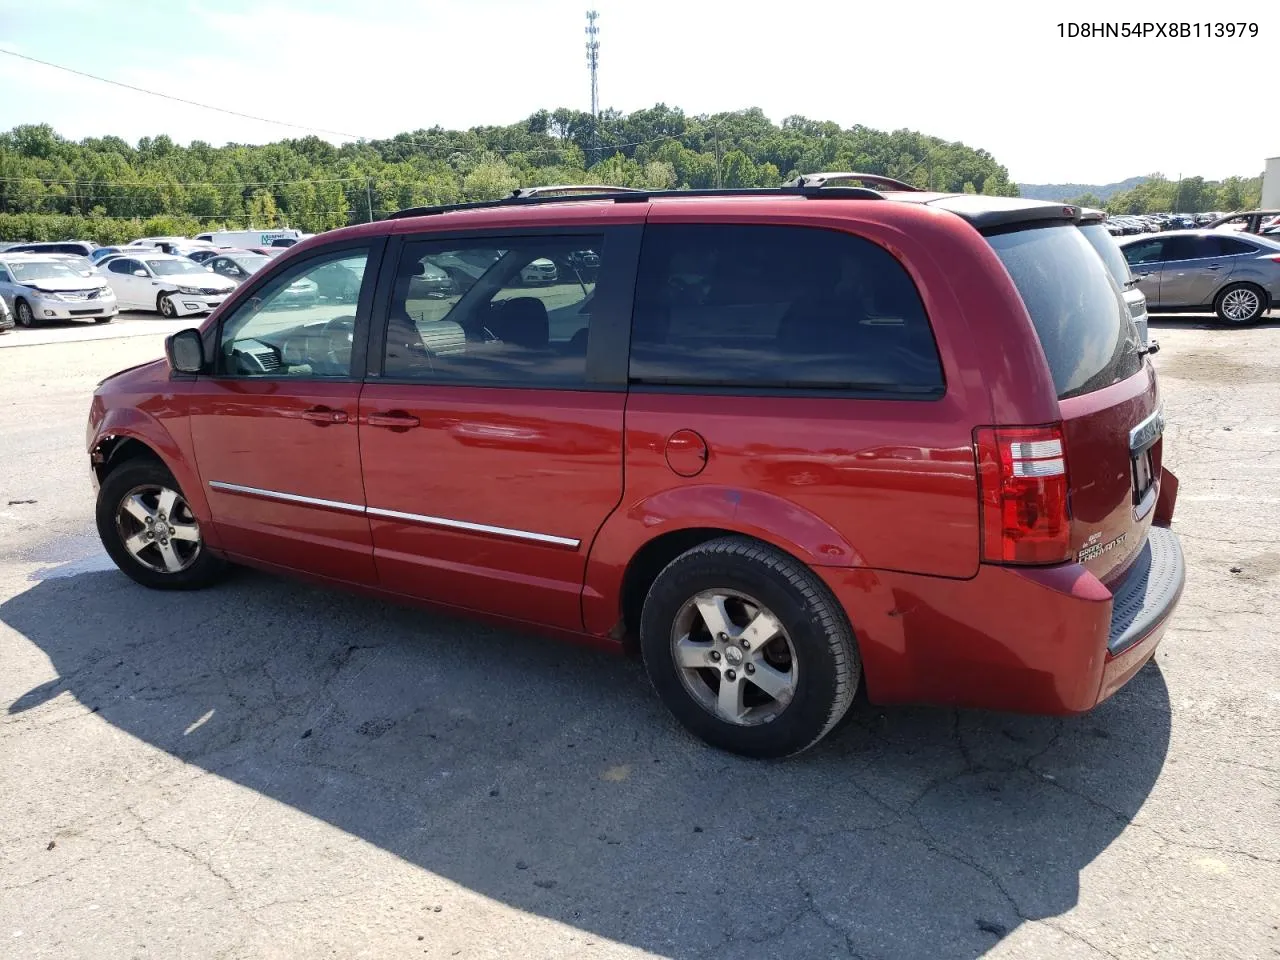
<point x="636" y="543"/>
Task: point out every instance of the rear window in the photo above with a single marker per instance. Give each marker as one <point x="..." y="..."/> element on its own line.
<point x="1109" y="251"/>
<point x="755" y="307"/>
<point x="1078" y="311"/>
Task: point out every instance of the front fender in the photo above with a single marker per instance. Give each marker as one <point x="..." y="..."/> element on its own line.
<point x="752" y="513"/>
<point x="168" y="436"/>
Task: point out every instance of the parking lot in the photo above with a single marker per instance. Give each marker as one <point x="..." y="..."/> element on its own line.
<point x="268" y="769"/>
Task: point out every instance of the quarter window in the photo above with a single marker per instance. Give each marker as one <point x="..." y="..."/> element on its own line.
<point x="513" y="312"/>
<point x="300" y="323"/>
<point x="767" y="307"/>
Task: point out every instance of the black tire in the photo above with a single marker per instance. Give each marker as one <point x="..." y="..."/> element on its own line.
<point x="204" y="571"/>
<point x="827" y="665"/>
<point x="23" y="314"/>
<point x="165" y="307"/>
<point x="103" y="319"/>
<point x="1228" y="302"/>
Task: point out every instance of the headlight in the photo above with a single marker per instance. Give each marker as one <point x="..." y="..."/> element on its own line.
<point x="49" y="295"/>
<point x="190" y="291"/>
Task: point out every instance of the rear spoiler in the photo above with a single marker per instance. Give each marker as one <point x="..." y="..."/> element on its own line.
<point x="994" y="213"/>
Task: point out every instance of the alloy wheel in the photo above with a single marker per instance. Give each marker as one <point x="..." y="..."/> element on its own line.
<point x="734" y="657"/>
<point x="1240" y="304"/>
<point x="158" y="529"/>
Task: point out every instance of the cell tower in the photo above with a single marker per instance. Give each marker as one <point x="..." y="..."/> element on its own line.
<point x="593" y="62"/>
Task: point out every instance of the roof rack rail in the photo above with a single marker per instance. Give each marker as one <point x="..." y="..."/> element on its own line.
<point x="569" y="189"/>
<point x="873" y="179"/>
<point x="631" y="195"/>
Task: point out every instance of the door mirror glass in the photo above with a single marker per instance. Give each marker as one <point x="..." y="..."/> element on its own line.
<point x="185" y="350"/>
<point x="139" y="273"/>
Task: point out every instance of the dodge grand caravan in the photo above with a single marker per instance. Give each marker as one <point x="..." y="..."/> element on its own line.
<point x="782" y="442"/>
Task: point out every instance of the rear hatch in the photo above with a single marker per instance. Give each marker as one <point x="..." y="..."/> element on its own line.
<point x="1107" y="393"/>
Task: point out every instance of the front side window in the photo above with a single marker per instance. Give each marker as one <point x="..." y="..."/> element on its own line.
<point x="511" y="312"/>
<point x="123" y="266"/>
<point x="300" y="323"/>
<point x="778" y="307"/>
<point x="1144" y="251"/>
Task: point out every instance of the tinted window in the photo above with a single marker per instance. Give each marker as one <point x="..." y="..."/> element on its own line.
<point x="300" y="323"/>
<point x="502" y="312"/>
<point x="1078" y="311"/>
<point x="1108" y="250"/>
<point x="1230" y="246"/>
<point x="778" y="307"/>
<point x="123" y="266"/>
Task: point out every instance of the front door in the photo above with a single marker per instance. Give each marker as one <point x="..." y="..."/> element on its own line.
<point x="129" y="288"/>
<point x="491" y="425"/>
<point x="1146" y="261"/>
<point x="274" y="427"/>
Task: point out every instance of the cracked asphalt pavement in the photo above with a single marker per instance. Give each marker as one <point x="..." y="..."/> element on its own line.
<point x="267" y="769"/>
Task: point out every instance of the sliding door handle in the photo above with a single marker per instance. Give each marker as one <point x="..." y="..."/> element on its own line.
<point x="395" y="420"/>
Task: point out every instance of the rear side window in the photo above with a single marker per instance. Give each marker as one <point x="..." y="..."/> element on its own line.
<point x="1078" y="311"/>
<point x="747" y="307"/>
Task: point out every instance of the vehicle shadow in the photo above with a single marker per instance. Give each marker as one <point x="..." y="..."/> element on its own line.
<point x="547" y="776"/>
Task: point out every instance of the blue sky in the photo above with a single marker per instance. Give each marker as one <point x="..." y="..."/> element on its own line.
<point x="995" y="75"/>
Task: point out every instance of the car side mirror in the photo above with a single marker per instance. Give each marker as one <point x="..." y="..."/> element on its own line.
<point x="139" y="273"/>
<point x="185" y="351"/>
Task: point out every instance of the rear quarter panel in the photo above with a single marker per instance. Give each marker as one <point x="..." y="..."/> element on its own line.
<point x="880" y="484"/>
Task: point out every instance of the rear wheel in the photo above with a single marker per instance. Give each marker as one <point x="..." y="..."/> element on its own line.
<point x="1240" y="303"/>
<point x="150" y="532"/>
<point x="748" y="648"/>
<point x="24" y="314"/>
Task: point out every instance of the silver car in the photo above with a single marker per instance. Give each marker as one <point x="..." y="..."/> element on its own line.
<point x="1093" y="225"/>
<point x="38" y="288"/>
<point x="1237" y="276"/>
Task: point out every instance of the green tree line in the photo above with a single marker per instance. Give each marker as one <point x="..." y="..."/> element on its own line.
<point x="105" y="189"/>
<point x="1159" y="194"/>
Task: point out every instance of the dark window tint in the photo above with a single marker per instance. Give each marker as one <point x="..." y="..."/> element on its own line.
<point x="123" y="266"/>
<point x="746" y="307"/>
<point x="1230" y="247"/>
<point x="502" y="312"/>
<point x="1188" y="248"/>
<point x="1078" y="311"/>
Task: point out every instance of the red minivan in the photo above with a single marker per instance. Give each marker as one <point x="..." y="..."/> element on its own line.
<point x="782" y="441"/>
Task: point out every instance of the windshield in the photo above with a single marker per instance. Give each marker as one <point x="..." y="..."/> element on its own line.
<point x="167" y="268"/>
<point x="250" y="263"/>
<point x="82" y="266"/>
<point x="43" y="270"/>
<point x="1078" y="311"/>
<point x="1109" y="251"/>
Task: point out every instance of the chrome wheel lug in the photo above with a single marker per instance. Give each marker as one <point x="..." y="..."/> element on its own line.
<point x="722" y="637"/>
<point x="746" y="644"/>
<point x="750" y="668"/>
<point x="715" y="655"/>
<point x="730" y="675"/>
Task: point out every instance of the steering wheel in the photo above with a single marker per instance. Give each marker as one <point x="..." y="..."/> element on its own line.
<point x="339" y="333"/>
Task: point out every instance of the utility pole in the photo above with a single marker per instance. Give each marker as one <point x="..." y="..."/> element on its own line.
<point x="1177" y="203"/>
<point x="593" y="63"/>
<point x="716" y="133"/>
<point x="368" y="195"/>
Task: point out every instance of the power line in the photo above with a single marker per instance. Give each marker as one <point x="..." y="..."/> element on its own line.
<point x="169" y="96"/>
<point x="107" y="184"/>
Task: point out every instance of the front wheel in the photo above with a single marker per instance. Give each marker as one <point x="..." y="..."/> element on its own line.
<point x="748" y="648"/>
<point x="25" y="316"/>
<point x="1240" y="303"/>
<point x="167" y="309"/>
<point x="150" y="532"/>
<point x="103" y="319"/>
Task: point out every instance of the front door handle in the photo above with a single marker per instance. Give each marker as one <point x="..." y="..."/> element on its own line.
<point x="324" y="415"/>
<point x="395" y="420"/>
<point x="1214" y="266"/>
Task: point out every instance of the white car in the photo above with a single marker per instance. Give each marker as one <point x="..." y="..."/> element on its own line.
<point x="37" y="288"/>
<point x="172" y="286"/>
<point x="541" y="270"/>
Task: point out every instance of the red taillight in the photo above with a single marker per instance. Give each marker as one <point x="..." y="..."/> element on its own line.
<point x="1022" y="484"/>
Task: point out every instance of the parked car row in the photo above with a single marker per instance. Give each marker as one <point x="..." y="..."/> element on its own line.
<point x="1129" y="224"/>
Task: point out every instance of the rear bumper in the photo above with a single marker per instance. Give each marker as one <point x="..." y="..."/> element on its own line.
<point x="1049" y="640"/>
